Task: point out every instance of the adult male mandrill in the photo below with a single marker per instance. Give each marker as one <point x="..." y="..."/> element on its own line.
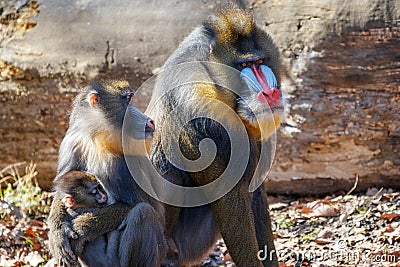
<point x="233" y="39"/>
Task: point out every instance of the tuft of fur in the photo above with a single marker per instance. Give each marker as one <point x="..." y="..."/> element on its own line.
<point x="231" y="23"/>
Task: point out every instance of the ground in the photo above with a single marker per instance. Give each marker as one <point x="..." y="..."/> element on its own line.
<point x="337" y="230"/>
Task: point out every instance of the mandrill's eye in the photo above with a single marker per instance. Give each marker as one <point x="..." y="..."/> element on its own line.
<point x="129" y="96"/>
<point x="259" y="61"/>
<point x="241" y="65"/>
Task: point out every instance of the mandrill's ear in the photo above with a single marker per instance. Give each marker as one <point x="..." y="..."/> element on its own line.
<point x="68" y="201"/>
<point x="93" y="98"/>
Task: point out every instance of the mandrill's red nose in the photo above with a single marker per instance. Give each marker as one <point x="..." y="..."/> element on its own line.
<point x="269" y="96"/>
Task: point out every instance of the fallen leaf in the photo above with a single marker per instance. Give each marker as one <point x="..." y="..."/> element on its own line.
<point x="325" y="234"/>
<point x="322" y="241"/>
<point x="306" y="210"/>
<point x="37" y="246"/>
<point x="319" y="209"/>
<point x="30" y="232"/>
<point x="36" y="223"/>
<point x="389" y="229"/>
<point x="390" y="216"/>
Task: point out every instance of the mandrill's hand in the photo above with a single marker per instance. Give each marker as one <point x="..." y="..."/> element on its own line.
<point x="60" y="246"/>
<point x="80" y="225"/>
<point x="60" y="234"/>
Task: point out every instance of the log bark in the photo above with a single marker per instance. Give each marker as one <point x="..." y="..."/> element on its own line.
<point x="342" y="79"/>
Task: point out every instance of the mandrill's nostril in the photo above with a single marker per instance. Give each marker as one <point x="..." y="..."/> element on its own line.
<point x="266" y="94"/>
<point x="151" y="125"/>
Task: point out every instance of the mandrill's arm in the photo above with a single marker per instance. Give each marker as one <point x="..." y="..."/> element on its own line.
<point x="59" y="234"/>
<point x="91" y="225"/>
<point x="67" y="237"/>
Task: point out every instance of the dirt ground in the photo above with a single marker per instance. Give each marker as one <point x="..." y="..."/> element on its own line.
<point x="337" y="230"/>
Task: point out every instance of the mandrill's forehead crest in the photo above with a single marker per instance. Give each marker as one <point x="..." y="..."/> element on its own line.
<point x="237" y="38"/>
<point x="231" y="24"/>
